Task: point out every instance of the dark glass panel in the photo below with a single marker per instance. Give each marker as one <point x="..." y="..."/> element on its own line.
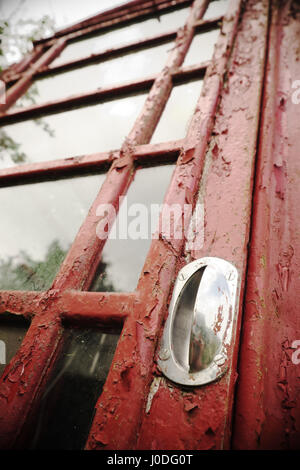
<point x="67" y="407"/>
<point x="13" y="329"/>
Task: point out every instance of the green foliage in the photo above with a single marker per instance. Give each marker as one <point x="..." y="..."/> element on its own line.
<point x="27" y="274"/>
<point x="8" y="144"/>
<point x="17" y="37"/>
<point x="45" y="126"/>
<point x="16" y="41"/>
<point x="23" y="273"/>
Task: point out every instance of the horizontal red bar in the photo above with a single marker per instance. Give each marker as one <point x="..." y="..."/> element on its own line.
<point x="201" y="25"/>
<point x="142" y="154"/>
<point x="95" y="96"/>
<point x="105" y="309"/>
<point x="81" y="30"/>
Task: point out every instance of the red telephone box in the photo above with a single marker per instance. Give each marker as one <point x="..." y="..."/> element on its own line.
<point x="183" y="102"/>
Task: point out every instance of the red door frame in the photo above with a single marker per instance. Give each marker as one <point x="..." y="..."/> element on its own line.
<point x="268" y="399"/>
<point x="24" y="378"/>
<point x="174" y="418"/>
<point x="200" y="418"/>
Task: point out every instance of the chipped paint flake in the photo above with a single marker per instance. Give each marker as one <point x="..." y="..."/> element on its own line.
<point x="153" y="390"/>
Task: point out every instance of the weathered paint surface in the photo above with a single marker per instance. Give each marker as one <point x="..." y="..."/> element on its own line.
<point x="126" y="390"/>
<point x="22" y="382"/>
<point x="117" y="51"/>
<point x="148" y="153"/>
<point x="94" y="96"/>
<point x="137" y="10"/>
<point x="268" y="398"/>
<point x="22" y="85"/>
<point x="78" y="269"/>
<point x="34" y="360"/>
<point x="200" y="418"/>
<point x="139" y="408"/>
<point x="15" y="71"/>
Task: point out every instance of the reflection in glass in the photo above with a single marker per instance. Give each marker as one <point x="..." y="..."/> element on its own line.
<point x="103" y="75"/>
<point x="202" y="47"/>
<point x="12" y="332"/>
<point x="124" y="255"/>
<point x="216" y="8"/>
<point x="178" y="112"/>
<point x="41" y="221"/>
<point x="67" y="406"/>
<point x="123" y="35"/>
<point x="72" y="133"/>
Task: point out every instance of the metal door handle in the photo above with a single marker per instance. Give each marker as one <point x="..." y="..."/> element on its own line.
<point x="198" y="330"/>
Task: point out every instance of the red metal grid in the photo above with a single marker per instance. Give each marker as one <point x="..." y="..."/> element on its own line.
<point x="268" y="398"/>
<point x="22" y="85"/>
<point x="23" y="380"/>
<point x="201" y="25"/>
<point x="142" y="154"/>
<point x="201" y="418"/>
<point x="94" y="96"/>
<point x="128" y="383"/>
<point x="151" y="8"/>
<point x="122" y="11"/>
<point x="205" y="414"/>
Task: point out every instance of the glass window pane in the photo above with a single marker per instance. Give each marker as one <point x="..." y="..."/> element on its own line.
<point x="41" y="221"/>
<point x="12" y="332"/>
<point x="67" y="407"/>
<point x="216" y="8"/>
<point x="202" y="47"/>
<point x="178" y="112"/>
<point x="123" y="35"/>
<point x="80" y="131"/>
<point x="123" y="257"/>
<point x="105" y="74"/>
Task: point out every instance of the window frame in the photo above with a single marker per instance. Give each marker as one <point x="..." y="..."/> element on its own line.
<point x="67" y="300"/>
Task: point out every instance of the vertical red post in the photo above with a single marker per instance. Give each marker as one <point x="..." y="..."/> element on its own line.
<point x="268" y="398"/>
<point x="200" y="417"/>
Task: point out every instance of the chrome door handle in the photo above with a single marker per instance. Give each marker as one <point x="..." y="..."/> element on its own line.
<point x="198" y="331"/>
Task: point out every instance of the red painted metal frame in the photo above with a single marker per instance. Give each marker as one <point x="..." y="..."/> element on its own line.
<point x="203" y="415"/>
<point x="201" y="26"/>
<point x="30" y="66"/>
<point x="121" y="12"/>
<point x="15" y="70"/>
<point x="268" y="398"/>
<point x="80" y="32"/>
<point x="142" y="154"/>
<point x="155" y="7"/>
<point x="121" y="172"/>
<point x="87" y="308"/>
<point x="127" y="386"/>
<point x="22" y="85"/>
<point x="97" y="96"/>
<point x="225" y="173"/>
<point x="24" y="378"/>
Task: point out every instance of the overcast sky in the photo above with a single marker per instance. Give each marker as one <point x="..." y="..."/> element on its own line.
<point x="64" y="12"/>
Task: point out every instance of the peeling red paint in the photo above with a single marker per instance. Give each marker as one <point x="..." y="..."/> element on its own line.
<point x="160" y="267"/>
<point x="138" y="407"/>
<point x="202" y="419"/>
<point x="112" y="52"/>
<point x="98" y="95"/>
<point x="22" y="85"/>
<point x="108" y="19"/>
<point x="268" y="398"/>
